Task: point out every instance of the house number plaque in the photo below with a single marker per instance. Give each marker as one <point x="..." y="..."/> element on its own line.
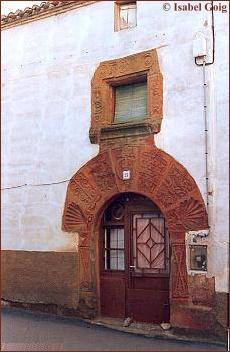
<point x="126" y="175"/>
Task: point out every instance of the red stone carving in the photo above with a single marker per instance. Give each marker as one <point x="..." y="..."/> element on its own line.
<point x="98" y="104"/>
<point x="190" y="214"/>
<point x="155" y="91"/>
<point x="176" y="186"/>
<point x="153" y="167"/>
<point x="179" y="281"/>
<point x="103" y="174"/>
<point x="125" y="71"/>
<point x="124" y="159"/>
<point x="74" y="219"/>
<point x="86" y="193"/>
<point x="85" y="281"/>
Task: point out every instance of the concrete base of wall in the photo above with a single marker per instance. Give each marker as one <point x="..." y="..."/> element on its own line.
<point x="192" y="317"/>
<point x="40" y="277"/>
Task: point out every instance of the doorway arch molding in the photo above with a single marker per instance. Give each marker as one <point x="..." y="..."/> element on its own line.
<point x="154" y="174"/>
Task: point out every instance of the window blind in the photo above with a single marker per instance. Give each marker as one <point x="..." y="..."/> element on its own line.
<point x="130" y="102"/>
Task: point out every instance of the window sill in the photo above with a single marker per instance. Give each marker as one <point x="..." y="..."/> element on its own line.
<point x="125" y="129"/>
<point x="124" y="29"/>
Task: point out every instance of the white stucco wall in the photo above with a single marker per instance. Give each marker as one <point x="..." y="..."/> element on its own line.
<point x="47" y="68"/>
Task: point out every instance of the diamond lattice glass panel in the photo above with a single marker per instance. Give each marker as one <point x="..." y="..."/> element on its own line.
<point x="130" y="102"/>
<point x="149" y="243"/>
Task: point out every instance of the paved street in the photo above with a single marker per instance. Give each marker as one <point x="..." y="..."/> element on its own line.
<point x="31" y="331"/>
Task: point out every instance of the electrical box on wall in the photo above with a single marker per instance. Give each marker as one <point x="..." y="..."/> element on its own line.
<point x="198" y="257"/>
<point x="199" y="47"/>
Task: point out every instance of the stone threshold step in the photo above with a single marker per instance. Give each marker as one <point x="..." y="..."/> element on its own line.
<point x="152" y="330"/>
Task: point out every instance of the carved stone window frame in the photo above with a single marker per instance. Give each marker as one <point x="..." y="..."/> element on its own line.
<point x="126" y="70"/>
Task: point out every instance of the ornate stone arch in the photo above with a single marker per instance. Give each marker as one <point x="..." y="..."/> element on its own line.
<point x="154" y="174"/>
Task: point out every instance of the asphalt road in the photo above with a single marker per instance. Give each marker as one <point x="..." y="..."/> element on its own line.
<point x="31" y="331"/>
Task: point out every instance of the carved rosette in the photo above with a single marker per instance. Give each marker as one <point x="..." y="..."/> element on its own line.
<point x="74" y="219"/>
<point x="190" y="214"/>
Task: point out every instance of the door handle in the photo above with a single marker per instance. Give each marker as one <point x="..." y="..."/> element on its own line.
<point x="132" y="267"/>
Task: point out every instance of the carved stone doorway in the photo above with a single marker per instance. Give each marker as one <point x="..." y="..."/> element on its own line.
<point x="157" y="176"/>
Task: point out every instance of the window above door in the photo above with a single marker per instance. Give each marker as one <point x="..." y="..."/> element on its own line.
<point x="127" y="97"/>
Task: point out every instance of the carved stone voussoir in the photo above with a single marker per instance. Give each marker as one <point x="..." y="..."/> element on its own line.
<point x="126" y="70"/>
<point x="153" y="168"/>
<point x="85" y="191"/>
<point x="175" y="187"/>
<point x="103" y="174"/>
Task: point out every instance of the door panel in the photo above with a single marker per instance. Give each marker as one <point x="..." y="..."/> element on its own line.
<point x="147" y="293"/>
<point x="113" y="295"/>
<point x="149" y="305"/>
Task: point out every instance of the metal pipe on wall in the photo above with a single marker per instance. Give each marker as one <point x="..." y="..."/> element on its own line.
<point x="206" y="137"/>
<point x="205" y="63"/>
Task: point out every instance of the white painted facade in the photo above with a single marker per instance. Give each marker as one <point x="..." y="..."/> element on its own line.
<point x="47" y="66"/>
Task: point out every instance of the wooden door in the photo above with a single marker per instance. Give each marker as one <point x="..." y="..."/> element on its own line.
<point x="135" y="261"/>
<point x="147" y="288"/>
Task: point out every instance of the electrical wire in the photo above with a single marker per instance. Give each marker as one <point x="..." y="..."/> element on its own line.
<point x="35" y="185"/>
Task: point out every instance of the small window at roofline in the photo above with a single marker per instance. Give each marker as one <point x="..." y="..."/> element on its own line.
<point x="125" y="15"/>
<point x="130" y="102"/>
